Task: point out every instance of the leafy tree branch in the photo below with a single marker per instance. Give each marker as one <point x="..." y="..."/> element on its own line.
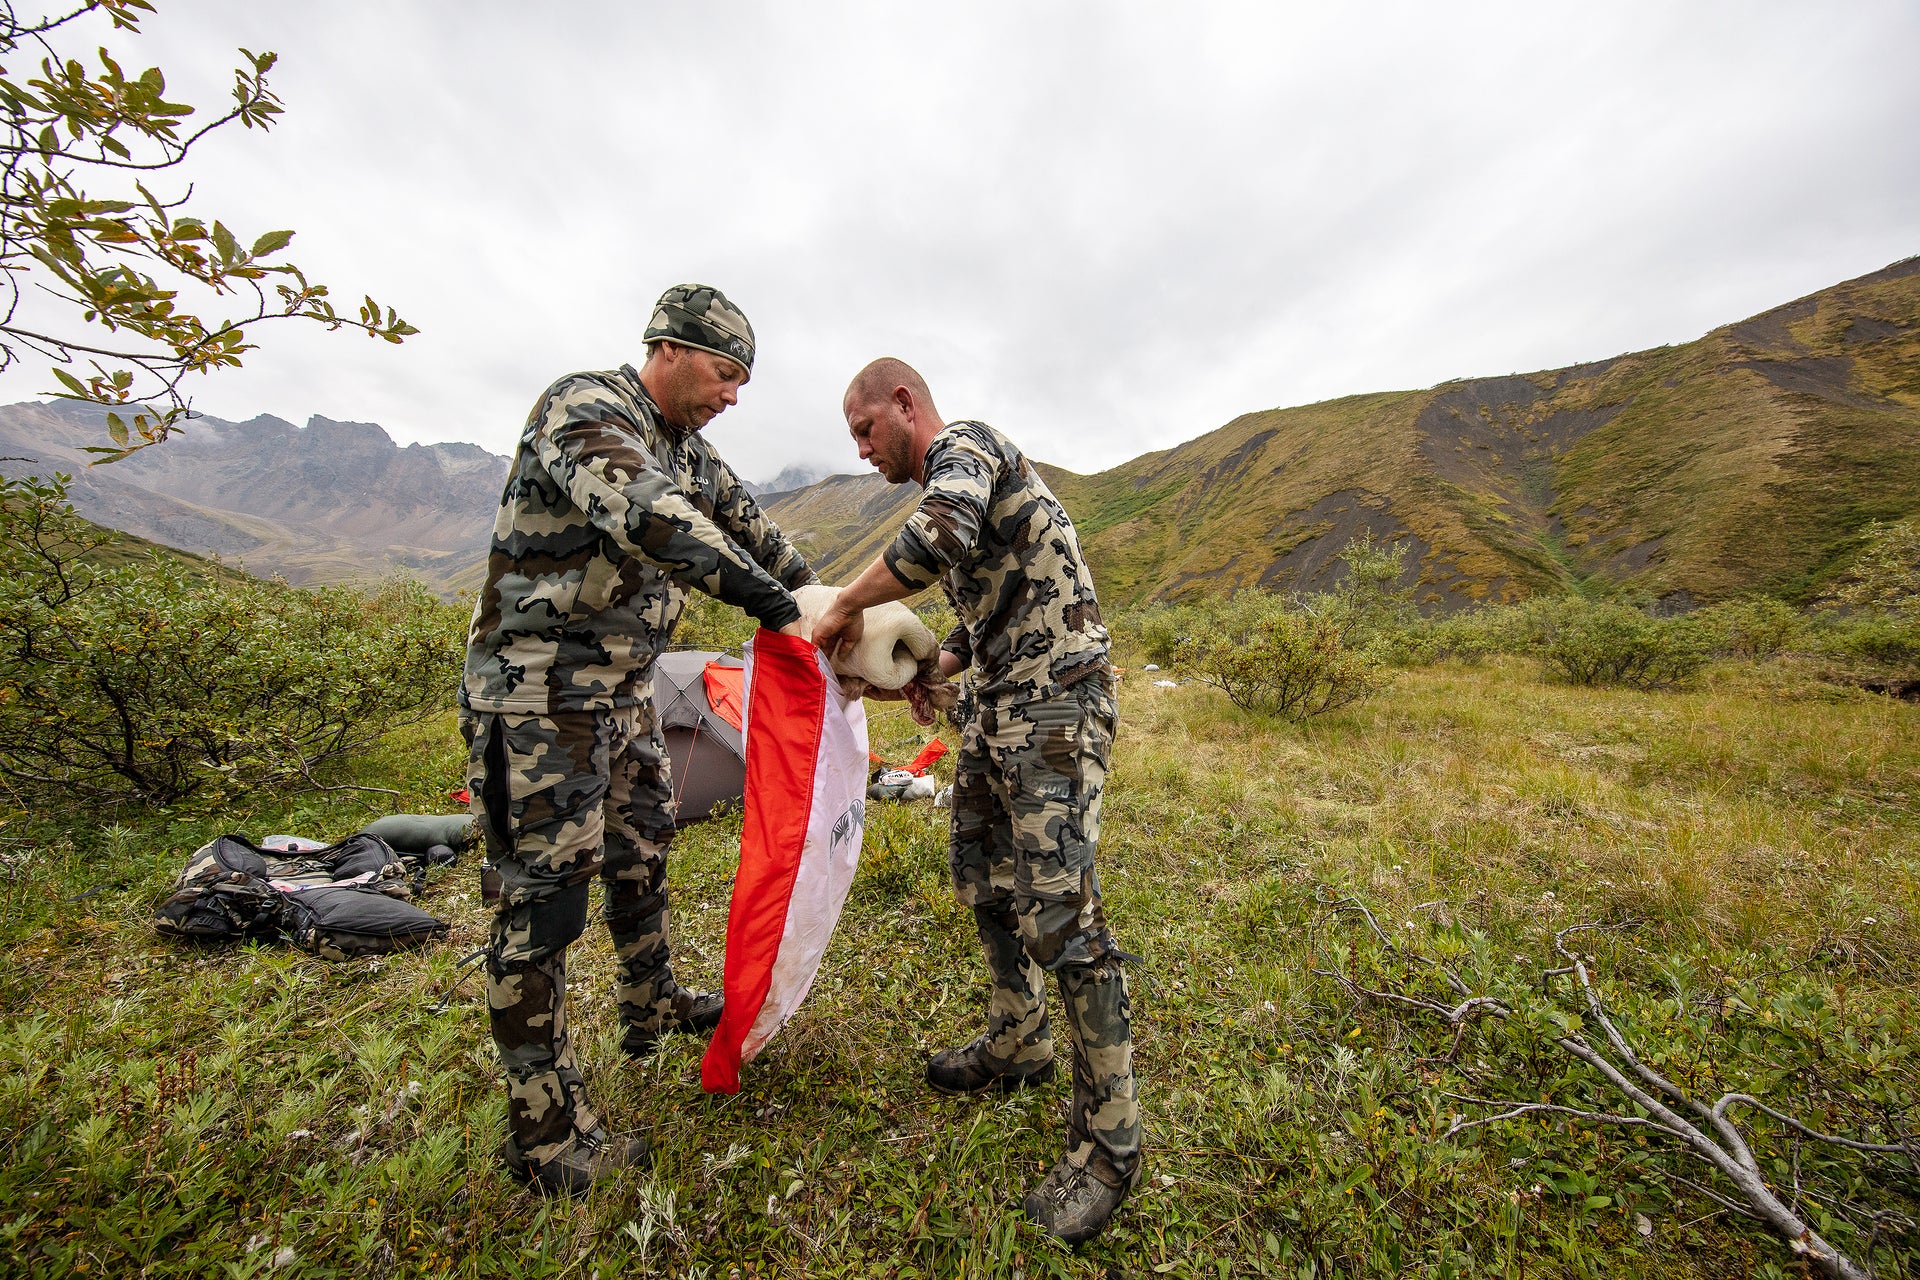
<point x="126" y="259"/>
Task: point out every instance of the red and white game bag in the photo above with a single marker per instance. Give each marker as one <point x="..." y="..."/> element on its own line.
<point x="799" y="844"/>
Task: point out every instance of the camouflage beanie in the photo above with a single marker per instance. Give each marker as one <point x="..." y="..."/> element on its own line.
<point x="699" y="315"/>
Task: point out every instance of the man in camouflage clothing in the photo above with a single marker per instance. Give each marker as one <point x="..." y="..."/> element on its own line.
<point x="1032" y="761"/>
<point x="615" y="507"/>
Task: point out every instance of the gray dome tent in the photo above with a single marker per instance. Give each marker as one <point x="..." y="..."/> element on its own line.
<point x="709" y="754"/>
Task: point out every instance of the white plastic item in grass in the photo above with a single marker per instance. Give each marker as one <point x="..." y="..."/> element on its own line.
<point x="891" y="648"/>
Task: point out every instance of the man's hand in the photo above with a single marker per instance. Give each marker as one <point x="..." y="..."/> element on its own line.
<point x="839" y="628"/>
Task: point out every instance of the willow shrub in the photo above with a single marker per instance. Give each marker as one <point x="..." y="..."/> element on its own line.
<point x="1753" y="627"/>
<point x="1598" y="642"/>
<point x="155" y="680"/>
<point x="1273" y="657"/>
<point x="706" y="623"/>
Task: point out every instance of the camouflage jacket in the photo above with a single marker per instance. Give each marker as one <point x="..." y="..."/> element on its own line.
<point x="1029" y="622"/>
<point x="610" y="516"/>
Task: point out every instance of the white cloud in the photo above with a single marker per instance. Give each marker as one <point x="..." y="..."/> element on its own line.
<point x="1104" y="227"/>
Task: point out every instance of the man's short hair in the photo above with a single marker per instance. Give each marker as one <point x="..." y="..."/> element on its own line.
<point x="880" y="377"/>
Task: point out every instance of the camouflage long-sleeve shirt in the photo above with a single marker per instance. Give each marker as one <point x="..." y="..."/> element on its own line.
<point x="1012" y="566"/>
<point x="610" y="516"/>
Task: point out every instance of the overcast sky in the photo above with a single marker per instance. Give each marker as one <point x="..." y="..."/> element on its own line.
<point x="1104" y="227"/>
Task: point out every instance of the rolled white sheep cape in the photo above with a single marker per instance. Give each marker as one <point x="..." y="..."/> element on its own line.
<point x="892" y="647"/>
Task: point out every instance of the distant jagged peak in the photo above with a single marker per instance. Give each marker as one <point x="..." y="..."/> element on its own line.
<point x="797" y="476"/>
<point x="258" y="422"/>
<point x="334" y="430"/>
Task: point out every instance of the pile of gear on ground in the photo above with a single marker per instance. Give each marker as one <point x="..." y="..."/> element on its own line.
<point x="336" y="901"/>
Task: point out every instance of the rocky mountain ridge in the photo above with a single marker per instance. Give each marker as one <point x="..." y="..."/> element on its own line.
<point x="327" y="502"/>
<point x="1747" y="460"/>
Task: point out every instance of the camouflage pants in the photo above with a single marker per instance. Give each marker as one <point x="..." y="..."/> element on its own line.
<point x="561" y="799"/>
<point x="1026" y="821"/>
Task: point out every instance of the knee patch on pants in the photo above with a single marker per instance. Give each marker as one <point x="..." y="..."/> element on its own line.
<point x="535" y="930"/>
<point x="1058" y="936"/>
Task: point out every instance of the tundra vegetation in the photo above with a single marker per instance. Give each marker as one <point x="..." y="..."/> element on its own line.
<point x="139" y="680"/>
<point x="1534" y="960"/>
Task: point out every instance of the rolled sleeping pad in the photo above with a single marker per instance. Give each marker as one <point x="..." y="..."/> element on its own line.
<point x="417" y="833"/>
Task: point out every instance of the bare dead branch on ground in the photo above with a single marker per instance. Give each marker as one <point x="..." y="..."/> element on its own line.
<point x="1703" y="1130"/>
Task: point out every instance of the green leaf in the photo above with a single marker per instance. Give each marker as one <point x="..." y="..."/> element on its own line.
<point x="1354" y="1179"/>
<point x="271" y="242"/>
<point x="70" y="382"/>
<point x="117" y="429"/>
<point x="223" y="241"/>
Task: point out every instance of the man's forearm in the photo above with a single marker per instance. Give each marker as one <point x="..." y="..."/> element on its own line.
<point x="875" y="585"/>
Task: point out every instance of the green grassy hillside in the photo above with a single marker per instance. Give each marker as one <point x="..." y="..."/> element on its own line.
<point x="127" y="548"/>
<point x="1747" y="460"/>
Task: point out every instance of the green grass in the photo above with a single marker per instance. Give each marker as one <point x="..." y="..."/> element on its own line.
<point x="172" y="1111"/>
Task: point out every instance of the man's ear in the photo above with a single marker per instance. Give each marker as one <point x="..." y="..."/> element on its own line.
<point x="903" y="398"/>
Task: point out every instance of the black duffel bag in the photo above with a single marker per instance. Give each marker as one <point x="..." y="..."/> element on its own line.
<point x="340" y="922"/>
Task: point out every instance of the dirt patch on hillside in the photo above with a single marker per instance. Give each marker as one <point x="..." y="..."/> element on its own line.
<point x="1828" y="378"/>
<point x="1771" y="330"/>
<point x="1230" y="465"/>
<point x="1576" y="372"/>
<point x="1631" y="559"/>
<point x="1498" y="439"/>
<point x="1871" y="329"/>
<point x="1314" y="538"/>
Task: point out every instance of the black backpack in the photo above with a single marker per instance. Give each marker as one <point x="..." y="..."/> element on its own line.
<point x="225" y="894"/>
<point x="341" y="901"/>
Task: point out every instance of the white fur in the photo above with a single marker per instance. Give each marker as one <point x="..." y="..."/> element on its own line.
<point x="891" y="648"/>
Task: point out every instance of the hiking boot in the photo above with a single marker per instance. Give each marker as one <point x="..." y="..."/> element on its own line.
<point x="587" y="1159"/>
<point x="699" y="1011"/>
<point x="968" y="1069"/>
<point x="1075" y="1203"/>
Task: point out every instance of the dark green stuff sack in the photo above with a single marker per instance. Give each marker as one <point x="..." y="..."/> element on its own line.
<point x="341" y="922"/>
<point x="420" y="833"/>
